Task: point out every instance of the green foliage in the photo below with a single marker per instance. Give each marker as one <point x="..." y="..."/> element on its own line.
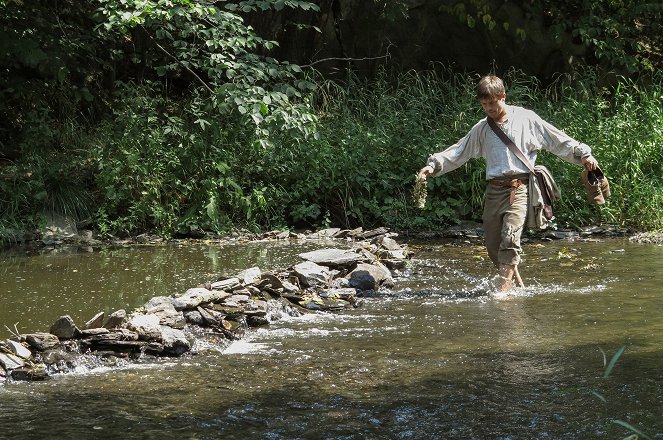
<point x="220" y="53"/>
<point x="373" y="137"/>
<point x="624" y="126"/>
<point x="626" y="35"/>
<point x="161" y="169"/>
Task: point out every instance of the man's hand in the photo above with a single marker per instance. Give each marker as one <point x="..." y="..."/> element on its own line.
<point x="425" y="171"/>
<point x="589" y="163"/>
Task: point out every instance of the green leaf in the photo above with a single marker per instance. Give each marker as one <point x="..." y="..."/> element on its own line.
<point x="631" y="428"/>
<point x="613" y="361"/>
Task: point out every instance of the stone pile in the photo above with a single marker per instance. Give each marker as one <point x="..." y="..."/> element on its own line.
<point x="328" y="279"/>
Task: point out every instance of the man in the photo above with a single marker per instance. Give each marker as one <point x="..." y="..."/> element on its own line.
<point x="505" y="205"/>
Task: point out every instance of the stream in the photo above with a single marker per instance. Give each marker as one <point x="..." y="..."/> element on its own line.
<point x="439" y="356"/>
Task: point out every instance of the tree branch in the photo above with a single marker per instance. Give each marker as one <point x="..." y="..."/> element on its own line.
<point x="174" y="58"/>
<point x="387" y="55"/>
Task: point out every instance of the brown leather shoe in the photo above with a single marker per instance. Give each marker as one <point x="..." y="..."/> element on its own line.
<point x="596" y="185"/>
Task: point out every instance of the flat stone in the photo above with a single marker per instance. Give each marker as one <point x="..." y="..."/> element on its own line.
<point x="96" y="321"/>
<point x="147" y="326"/>
<point x="42" y="341"/>
<point x="158" y="301"/>
<point x="226" y="284"/>
<point x="10" y="361"/>
<point x="311" y="274"/>
<point x="256" y="308"/>
<point x="94" y="332"/>
<point x="331" y="257"/>
<point x="18" y="349"/>
<point x="250" y="276"/>
<point x="196" y="296"/>
<point x="341" y="293"/>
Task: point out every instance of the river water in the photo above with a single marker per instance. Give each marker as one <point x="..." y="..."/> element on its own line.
<point x="438" y="356"/>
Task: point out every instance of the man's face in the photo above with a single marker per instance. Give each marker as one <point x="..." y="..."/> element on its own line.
<point x="494" y="107"/>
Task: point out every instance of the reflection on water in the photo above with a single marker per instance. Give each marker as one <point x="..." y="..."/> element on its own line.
<point x="439" y="356"/>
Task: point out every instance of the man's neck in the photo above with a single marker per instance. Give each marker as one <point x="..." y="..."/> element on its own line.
<point x="502" y="117"/>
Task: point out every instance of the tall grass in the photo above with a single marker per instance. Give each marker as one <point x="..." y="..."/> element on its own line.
<point x="376" y="134"/>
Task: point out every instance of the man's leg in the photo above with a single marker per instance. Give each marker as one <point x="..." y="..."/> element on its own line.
<point x="503" y="225"/>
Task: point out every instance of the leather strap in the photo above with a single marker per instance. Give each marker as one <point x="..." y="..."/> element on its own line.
<point x="509" y="143"/>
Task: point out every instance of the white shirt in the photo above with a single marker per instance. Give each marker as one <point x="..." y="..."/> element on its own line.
<point x="526" y="129"/>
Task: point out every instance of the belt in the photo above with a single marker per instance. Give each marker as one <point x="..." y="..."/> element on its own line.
<point x="509" y="183"/>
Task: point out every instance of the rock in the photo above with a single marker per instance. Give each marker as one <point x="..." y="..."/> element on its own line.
<point x="283" y="235"/>
<point x="332" y="257"/>
<point x="370" y="277"/>
<point x="256" y="308"/>
<point x="324" y="233"/>
<point x="116" y="319"/>
<point x="196" y="296"/>
<point x="349" y="233"/>
<point x="250" y="276"/>
<point x="341" y="293"/>
<point x="256" y="321"/>
<point x="275" y="285"/>
<point x="30" y="373"/>
<point x="118" y="346"/>
<point x="59" y="226"/>
<point x="311" y="274"/>
<point x="390" y="244"/>
<point x="147" y="326"/>
<point x="227" y="284"/>
<point x="174" y="341"/>
<point x="60" y="358"/>
<point x="64" y="328"/>
<point x="94" y="332"/>
<point x="562" y="235"/>
<point x="373" y="233"/>
<point x="194" y="317"/>
<point x="119" y="335"/>
<point x="326" y="304"/>
<point x="211" y="317"/>
<point x="42" y="341"/>
<point x="10" y="361"/>
<point x="96" y="322"/>
<point x="168" y="315"/>
<point x="18" y="349"/>
<point x="158" y="301"/>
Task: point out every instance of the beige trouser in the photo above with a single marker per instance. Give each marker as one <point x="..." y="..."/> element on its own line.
<point x="503" y="223"/>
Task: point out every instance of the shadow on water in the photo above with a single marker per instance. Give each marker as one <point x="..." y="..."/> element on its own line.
<point x="496" y="397"/>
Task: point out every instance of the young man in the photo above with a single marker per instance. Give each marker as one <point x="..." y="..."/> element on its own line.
<point x="505" y="206"/>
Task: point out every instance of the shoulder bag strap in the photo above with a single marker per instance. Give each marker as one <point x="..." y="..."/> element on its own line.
<point x="509" y="143"/>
